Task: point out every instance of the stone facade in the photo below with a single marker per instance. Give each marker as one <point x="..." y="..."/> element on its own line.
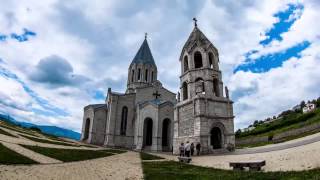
<point x="141" y="118"/>
<point x="202" y="115"/>
<point x="149" y="117"/>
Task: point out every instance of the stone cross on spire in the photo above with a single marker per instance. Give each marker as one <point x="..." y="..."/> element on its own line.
<point x="145" y="35"/>
<point x="195" y="21"/>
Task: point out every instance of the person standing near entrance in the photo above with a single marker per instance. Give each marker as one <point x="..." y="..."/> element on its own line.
<point x="192" y="149"/>
<point x="198" y="146"/>
<point x="187" y="149"/>
<point x="181" y="148"/>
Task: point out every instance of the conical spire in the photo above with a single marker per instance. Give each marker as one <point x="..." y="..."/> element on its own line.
<point x="144" y="55"/>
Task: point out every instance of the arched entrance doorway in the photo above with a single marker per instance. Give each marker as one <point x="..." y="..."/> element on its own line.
<point x="86" y="129"/>
<point x="216" y="138"/>
<point x="147" y="132"/>
<point x="165" y="134"/>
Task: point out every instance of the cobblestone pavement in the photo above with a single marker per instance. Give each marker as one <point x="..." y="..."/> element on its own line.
<point x="122" y="166"/>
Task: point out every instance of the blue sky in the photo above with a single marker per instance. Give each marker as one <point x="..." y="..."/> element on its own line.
<point x="58" y="56"/>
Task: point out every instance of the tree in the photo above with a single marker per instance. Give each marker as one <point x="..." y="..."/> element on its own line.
<point x="238" y="132"/>
<point x="302" y="104"/>
<point x="255" y="123"/>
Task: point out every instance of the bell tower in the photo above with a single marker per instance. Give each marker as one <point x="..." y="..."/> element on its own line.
<point x="203" y="114"/>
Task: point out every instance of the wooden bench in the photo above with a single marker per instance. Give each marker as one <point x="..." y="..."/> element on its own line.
<point x="184" y="159"/>
<point x="253" y="165"/>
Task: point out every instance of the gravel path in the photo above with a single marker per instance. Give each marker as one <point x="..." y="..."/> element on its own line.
<point x="122" y="166"/>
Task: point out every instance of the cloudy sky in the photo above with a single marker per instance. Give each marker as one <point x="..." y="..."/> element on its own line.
<point x="57" y="56"/>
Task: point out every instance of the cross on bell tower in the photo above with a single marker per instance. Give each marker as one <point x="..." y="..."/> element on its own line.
<point x="195" y="21"/>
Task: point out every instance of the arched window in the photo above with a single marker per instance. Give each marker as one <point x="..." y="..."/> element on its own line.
<point x="124" y="117"/>
<point x="216" y="87"/>
<point x="132" y="77"/>
<point x="86" y="129"/>
<point x="146" y="75"/>
<point x="184" y="91"/>
<point x="151" y="76"/>
<point x="197" y="60"/>
<point x="185" y="64"/>
<point x="199" y="85"/>
<point x="139" y="74"/>
<point x="210" y="59"/>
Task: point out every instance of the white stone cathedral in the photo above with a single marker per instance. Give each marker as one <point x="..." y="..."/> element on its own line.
<point x="149" y="117"/>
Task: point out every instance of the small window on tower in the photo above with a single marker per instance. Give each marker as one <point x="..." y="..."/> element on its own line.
<point x="197" y="60"/>
<point x="216" y="87"/>
<point x="132" y="77"/>
<point x="146" y="75"/>
<point x="184" y="91"/>
<point x="200" y="86"/>
<point x="151" y="76"/>
<point x="139" y="74"/>
<point x="211" y="59"/>
<point x="186" y="64"/>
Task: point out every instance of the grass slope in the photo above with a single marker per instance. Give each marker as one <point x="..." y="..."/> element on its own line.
<point x="68" y="155"/>
<point x="167" y="170"/>
<point x="146" y="156"/>
<point x="48" y="141"/>
<point x="288" y="122"/>
<point x="6" y="133"/>
<point x="7" y="156"/>
<point x="18" y="129"/>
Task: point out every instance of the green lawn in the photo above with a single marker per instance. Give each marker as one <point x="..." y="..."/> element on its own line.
<point x="167" y="170"/>
<point x="146" y="156"/>
<point x="7" y="156"/>
<point x="68" y="155"/>
<point x="115" y="151"/>
<point x="6" y="133"/>
<point x="48" y="141"/>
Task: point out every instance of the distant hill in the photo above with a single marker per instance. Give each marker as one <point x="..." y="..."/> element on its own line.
<point x="52" y="130"/>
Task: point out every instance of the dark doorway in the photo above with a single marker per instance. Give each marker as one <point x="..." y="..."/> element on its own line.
<point x="216" y="140"/>
<point x="165" y="132"/>
<point x="148" y="131"/>
<point x="86" y="129"/>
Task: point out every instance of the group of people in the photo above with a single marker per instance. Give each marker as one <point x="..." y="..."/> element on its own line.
<point x="188" y="149"/>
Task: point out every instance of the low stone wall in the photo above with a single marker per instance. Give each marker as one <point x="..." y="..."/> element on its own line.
<point x="280" y="136"/>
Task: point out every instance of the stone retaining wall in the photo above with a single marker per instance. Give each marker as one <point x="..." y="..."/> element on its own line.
<point x="280" y="136"/>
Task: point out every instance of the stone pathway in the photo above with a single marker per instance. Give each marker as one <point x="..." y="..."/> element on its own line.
<point x="30" y="154"/>
<point x="291" y="159"/>
<point x="117" y="167"/>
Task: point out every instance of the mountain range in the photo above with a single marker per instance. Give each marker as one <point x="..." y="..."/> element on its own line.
<point x="52" y="130"/>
